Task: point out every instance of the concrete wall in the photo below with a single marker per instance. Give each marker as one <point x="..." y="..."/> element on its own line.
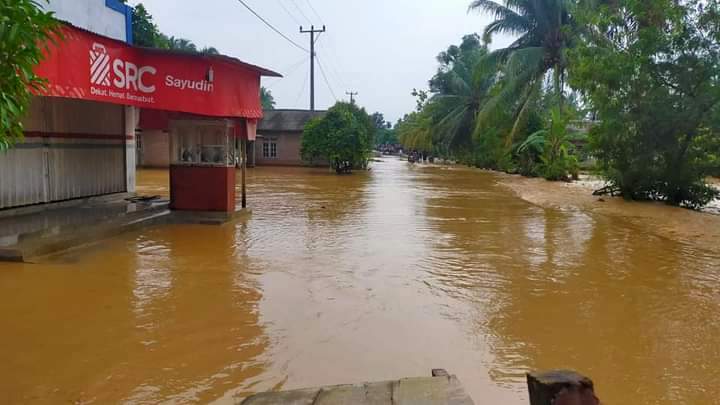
<point x="155" y="150"/>
<point x="72" y="149"/>
<point x="105" y="17"/>
<point x="288" y="149"/>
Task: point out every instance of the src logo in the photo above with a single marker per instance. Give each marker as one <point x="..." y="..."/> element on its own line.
<point x="127" y="75"/>
<point x="99" y="66"/>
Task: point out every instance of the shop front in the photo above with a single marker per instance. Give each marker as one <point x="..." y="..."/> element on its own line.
<point x="207" y="102"/>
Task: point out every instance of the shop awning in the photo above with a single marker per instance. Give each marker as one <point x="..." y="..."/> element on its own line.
<point x="88" y="66"/>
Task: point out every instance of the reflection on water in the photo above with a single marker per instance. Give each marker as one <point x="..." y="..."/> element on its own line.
<point x="373" y="276"/>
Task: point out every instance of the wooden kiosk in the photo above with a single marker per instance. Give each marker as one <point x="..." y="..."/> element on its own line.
<point x="202" y="165"/>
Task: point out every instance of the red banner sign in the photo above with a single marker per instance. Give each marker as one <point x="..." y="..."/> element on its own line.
<point x="91" y="67"/>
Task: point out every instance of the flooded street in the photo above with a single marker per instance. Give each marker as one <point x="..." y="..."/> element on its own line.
<point x="374" y="276"/>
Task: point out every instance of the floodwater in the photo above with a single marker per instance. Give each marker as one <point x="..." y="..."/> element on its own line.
<point x="372" y="276"/>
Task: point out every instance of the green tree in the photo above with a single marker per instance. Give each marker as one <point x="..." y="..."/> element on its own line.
<point x="25" y="30"/>
<point x="551" y="149"/>
<point x="210" y="50"/>
<point x="378" y="120"/>
<point x="414" y="131"/>
<point x="343" y="138"/>
<point x="386" y="136"/>
<point x="650" y="70"/>
<point x="458" y="90"/>
<point x="267" y="99"/>
<point x="181" y="44"/>
<point x="545" y="31"/>
<point x="145" y="32"/>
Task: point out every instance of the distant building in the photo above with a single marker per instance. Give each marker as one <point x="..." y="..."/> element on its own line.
<point x="279" y="137"/>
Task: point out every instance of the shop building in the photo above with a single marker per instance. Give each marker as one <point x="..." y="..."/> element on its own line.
<point x="80" y="133"/>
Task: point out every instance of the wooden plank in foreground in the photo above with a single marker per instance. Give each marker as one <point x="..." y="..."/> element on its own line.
<point x="443" y="389"/>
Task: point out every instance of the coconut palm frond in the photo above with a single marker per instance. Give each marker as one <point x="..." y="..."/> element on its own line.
<point x="513" y="26"/>
<point x="526" y="60"/>
<point x="530" y="95"/>
<point x="534" y="142"/>
<point x="497" y="10"/>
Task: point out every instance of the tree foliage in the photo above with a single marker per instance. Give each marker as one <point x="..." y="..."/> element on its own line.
<point x="643" y="73"/>
<point x="342" y="138"/>
<point x="25" y="29"/>
<point x="549" y="150"/>
<point x="651" y="70"/>
<point x="384" y="132"/>
<point x="444" y="121"/>
<point x="146" y="33"/>
<point x="545" y="31"/>
<point x="266" y="99"/>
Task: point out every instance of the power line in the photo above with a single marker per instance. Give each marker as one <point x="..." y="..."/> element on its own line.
<point x="273" y="28"/>
<point x="292" y="16"/>
<point x="315" y="11"/>
<point x="334" y="61"/>
<point x="326" y="79"/>
<point x="302" y="90"/>
<point x="287" y="72"/>
<point x="333" y="67"/>
<point x="301" y="12"/>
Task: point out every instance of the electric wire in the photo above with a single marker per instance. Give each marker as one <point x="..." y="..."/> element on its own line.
<point x="292" y="16"/>
<point x="273" y="27"/>
<point x="333" y="70"/>
<point x="287" y="72"/>
<point x="315" y="12"/>
<point x="302" y="89"/>
<point x="301" y="12"/>
<point x="327" y="82"/>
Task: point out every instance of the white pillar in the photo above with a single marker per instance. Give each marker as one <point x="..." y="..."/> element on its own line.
<point x="132" y="118"/>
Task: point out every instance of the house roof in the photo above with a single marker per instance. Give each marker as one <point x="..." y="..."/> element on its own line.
<point x="287" y="120"/>
<point x="219" y="57"/>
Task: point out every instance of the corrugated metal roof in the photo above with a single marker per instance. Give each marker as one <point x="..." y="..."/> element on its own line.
<point x="220" y="57"/>
<point x="287" y="120"/>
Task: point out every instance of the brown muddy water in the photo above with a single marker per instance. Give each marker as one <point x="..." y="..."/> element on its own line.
<point x="372" y="276"/>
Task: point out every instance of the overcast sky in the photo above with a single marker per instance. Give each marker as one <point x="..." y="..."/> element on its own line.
<point x="379" y="48"/>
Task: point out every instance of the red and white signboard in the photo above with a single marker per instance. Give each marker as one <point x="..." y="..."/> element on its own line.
<point x="91" y="67"/>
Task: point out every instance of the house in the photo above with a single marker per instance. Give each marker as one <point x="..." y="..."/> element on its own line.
<point x="279" y="137"/>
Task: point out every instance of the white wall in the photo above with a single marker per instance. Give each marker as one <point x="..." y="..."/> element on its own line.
<point x="92" y="15"/>
<point x="132" y="117"/>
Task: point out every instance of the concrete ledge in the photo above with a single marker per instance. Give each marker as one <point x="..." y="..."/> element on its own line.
<point x="32" y="209"/>
<point x="52" y="239"/>
<point x="207" y="218"/>
<point x="442" y="389"/>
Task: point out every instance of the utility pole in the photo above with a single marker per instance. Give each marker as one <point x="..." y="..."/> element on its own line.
<point x="312" y="31"/>
<point x="352" y="96"/>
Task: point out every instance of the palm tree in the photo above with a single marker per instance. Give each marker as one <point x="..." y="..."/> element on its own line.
<point x="210" y="50"/>
<point x="181" y="44"/>
<point x="458" y="93"/>
<point x="266" y="99"/>
<point x="544" y="30"/>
